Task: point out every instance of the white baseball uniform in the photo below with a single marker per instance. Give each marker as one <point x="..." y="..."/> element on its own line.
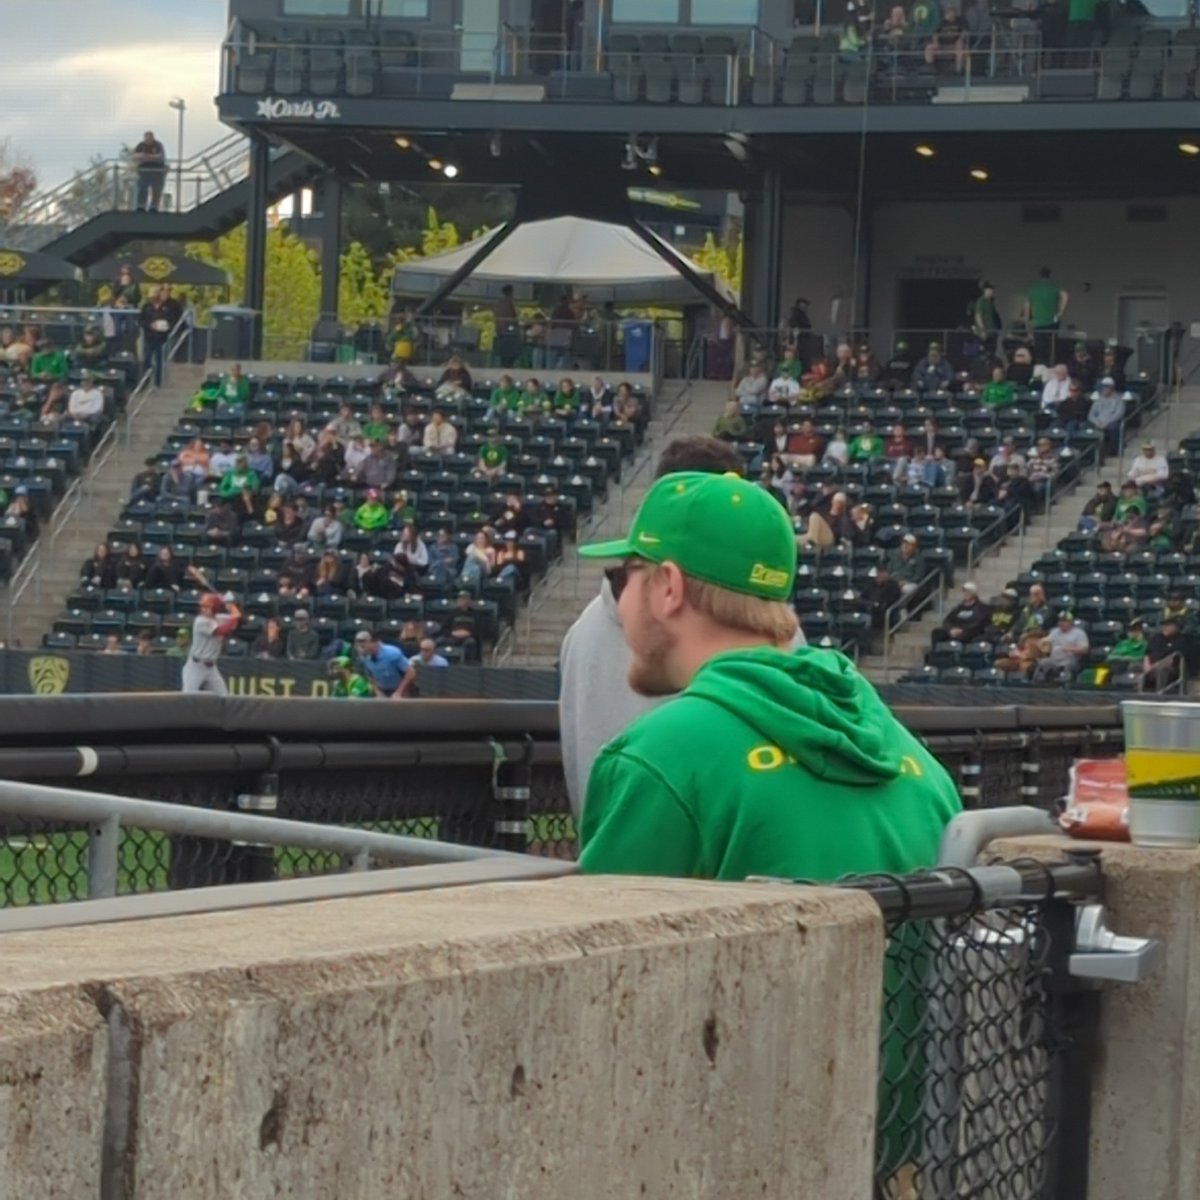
<point x="200" y="672"/>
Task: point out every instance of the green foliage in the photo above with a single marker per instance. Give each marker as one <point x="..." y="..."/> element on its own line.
<point x="362" y="290"/>
<point x="725" y="261"/>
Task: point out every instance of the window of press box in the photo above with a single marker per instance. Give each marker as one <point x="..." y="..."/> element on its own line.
<point x="316" y="8"/>
<point x="645" y="12"/>
<point x="724" y="12"/>
<point x="412" y="10"/>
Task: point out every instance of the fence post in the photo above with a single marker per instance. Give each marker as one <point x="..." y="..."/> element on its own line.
<point x="104" y="839"/>
<point x="512" y="787"/>
<point x="254" y="862"/>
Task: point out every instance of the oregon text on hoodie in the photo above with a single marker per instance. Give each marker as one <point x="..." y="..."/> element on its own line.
<point x="769" y="763"/>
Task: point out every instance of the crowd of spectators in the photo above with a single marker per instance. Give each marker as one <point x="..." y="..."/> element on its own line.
<point x="418" y="509"/>
<point x="1114" y="606"/>
<point x="898" y="467"/>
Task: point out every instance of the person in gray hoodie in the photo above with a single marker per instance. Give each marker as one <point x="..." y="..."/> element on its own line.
<point x="595" y="700"/>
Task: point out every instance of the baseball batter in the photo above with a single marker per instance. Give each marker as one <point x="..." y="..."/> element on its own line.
<point x="209" y="631"/>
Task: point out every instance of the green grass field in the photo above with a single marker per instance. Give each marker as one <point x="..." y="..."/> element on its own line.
<point x="49" y="868"/>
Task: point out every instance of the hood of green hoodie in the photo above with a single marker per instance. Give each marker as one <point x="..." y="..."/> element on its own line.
<point x="813" y="704"/>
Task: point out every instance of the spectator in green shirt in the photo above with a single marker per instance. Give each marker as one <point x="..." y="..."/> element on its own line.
<point x="730" y="425"/>
<point x="1130" y="652"/>
<point x="866" y="446"/>
<point x="985" y="317"/>
<point x="92" y="350"/>
<point x="507" y="396"/>
<point x="533" y="399"/>
<point x="566" y="399"/>
<point x="790" y="366"/>
<point x="348" y="684"/>
<point x="1130" y="499"/>
<point x="239" y="481"/>
<point x="999" y="392"/>
<point x="372" y="514"/>
<point x="376" y="428"/>
<point x="493" y="455"/>
<point x="49" y="364"/>
<point x="1045" y="304"/>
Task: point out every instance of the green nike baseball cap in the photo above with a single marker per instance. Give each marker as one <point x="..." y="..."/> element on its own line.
<point x="718" y="528"/>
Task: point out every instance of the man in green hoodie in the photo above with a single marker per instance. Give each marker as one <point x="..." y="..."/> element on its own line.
<point x="768" y="762"/>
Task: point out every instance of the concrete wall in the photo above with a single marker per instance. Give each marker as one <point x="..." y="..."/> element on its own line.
<point x="1094" y="252"/>
<point x="1146" y="1093"/>
<point x="582" y="1037"/>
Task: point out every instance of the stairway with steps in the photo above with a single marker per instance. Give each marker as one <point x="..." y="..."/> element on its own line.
<point x="684" y="410"/>
<point x="992" y="574"/>
<point x="103" y="494"/>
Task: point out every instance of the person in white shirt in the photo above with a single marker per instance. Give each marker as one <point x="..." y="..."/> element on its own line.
<point x="356" y="455"/>
<point x="784" y="389"/>
<point x="222" y="461"/>
<point x="1149" y="469"/>
<point x="209" y="631"/>
<point x="1057" y="389"/>
<point x="440" y="436"/>
<point x="87" y="400"/>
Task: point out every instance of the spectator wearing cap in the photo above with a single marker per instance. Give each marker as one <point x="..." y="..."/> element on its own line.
<point x="966" y="620"/>
<point x="1164" y="663"/>
<point x="91" y="352"/>
<point x="177" y="483"/>
<point x="905" y="565"/>
<point x="1043" y="464"/>
<point x="1006" y="455"/>
<point x="1082" y="367"/>
<point x="440" y="436"/>
<point x="1056" y="389"/>
<point x="1149" y="469"/>
<point x="985" y="318"/>
<point x="303" y="641"/>
<point x="383" y="664"/>
<point x="1128" y="656"/>
<point x="1066" y="647"/>
<point x="49" y="363"/>
<point x="1073" y="411"/>
<point x="1129" y="499"/>
<point x="1106" y="413"/>
<point x="1099" y="511"/>
<point x="348" y="682"/>
<point x="978" y="486"/>
<point x="372" y="514"/>
<point x="784" y="389"/>
<point x="882" y="593"/>
<point x="1002" y="622"/>
<point x="932" y="373"/>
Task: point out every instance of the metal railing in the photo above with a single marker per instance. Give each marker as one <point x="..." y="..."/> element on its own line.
<point x="111" y="184"/>
<point x="930" y="591"/>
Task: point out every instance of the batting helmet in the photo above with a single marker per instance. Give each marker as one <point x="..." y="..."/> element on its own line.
<point x="210" y="602"/>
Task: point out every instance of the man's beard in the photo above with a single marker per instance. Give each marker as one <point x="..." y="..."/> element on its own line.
<point x="648" y="672"/>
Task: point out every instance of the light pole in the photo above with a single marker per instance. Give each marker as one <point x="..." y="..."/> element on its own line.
<point x="180" y="106"/>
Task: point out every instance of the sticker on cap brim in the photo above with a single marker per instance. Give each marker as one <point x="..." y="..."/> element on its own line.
<point x="768" y="576"/>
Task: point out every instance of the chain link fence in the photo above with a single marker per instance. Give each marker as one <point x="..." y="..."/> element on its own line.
<point x="976" y="1027"/>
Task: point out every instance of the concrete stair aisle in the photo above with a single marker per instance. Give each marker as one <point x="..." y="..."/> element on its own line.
<point x="1171" y="423"/>
<point x="104" y="492"/>
<point x="568" y="588"/>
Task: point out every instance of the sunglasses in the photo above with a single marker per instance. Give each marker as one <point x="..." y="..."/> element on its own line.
<point x="618" y="576"/>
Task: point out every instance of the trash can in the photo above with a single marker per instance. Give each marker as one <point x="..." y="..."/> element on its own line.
<point x="233" y="332"/>
<point x="639" y="344"/>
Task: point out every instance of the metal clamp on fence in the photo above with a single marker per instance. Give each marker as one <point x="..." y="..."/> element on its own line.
<point x="1104" y="956"/>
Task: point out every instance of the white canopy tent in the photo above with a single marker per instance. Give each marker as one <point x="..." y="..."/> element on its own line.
<point x="605" y="261"/>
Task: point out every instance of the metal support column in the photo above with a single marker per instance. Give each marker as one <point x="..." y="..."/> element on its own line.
<point x="329" y="205"/>
<point x="452" y="281"/>
<point x="256" y="236"/>
<point x="764" y="250"/>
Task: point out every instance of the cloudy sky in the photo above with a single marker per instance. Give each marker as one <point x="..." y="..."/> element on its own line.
<point x="81" y="77"/>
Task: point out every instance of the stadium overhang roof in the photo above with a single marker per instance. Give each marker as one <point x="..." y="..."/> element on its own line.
<point x="819" y="153"/>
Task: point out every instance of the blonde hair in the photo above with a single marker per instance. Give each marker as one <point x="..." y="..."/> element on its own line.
<point x="771" y="619"/>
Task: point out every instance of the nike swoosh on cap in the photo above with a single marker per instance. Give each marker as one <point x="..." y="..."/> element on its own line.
<point x="648" y="539"/>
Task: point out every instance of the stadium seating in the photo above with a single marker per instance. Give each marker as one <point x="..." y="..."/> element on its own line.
<point x="577" y="456"/>
<point x="44" y="457"/>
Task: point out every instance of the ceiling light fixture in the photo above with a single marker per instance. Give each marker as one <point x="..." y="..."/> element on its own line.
<point x="404" y="143"/>
<point x="924" y="151"/>
<point x="980" y="174"/>
<point x="450" y="171"/>
<point x="436" y="164"/>
<point x="1189" y="148"/>
<point x="655" y="170"/>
